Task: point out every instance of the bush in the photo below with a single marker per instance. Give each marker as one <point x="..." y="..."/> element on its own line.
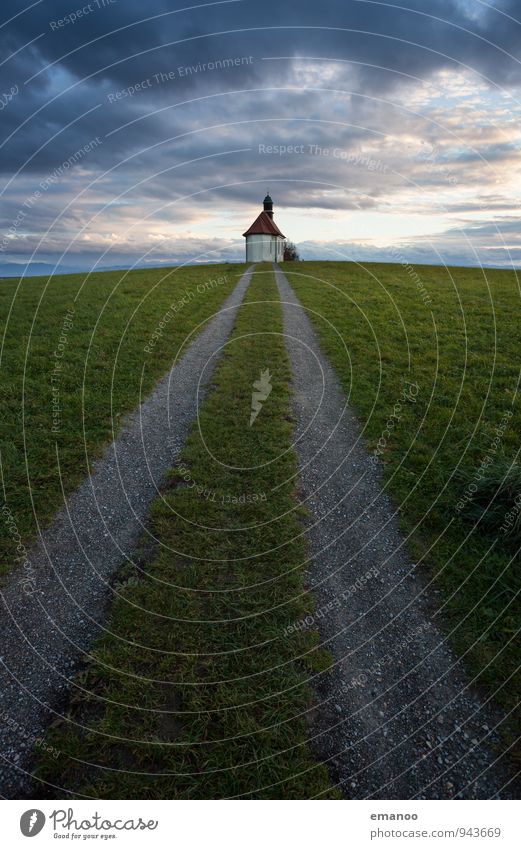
<point x="290" y="253"/>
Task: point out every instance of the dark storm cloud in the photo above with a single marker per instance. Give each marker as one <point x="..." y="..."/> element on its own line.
<point x="119" y="44"/>
<point x="414" y="40"/>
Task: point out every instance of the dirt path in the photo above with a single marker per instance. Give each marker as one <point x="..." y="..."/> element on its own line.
<point x="396" y="717"/>
<point x="51" y="613"/>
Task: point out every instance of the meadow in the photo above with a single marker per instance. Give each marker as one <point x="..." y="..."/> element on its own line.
<point x="78" y="353"/>
<point x="430" y="358"/>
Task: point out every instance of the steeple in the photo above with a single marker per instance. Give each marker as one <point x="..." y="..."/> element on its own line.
<point x="268" y="205"/>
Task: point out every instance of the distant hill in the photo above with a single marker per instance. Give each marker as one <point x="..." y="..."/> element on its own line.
<point x="47" y="269"/>
<point x="35" y="269"/>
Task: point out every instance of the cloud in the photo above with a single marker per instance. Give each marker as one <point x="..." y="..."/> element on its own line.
<point x="398" y="111"/>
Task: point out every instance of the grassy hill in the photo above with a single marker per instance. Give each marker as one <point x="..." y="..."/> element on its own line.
<point x="429" y="358"/>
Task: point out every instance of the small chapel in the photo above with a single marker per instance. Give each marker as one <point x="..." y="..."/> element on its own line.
<point x="264" y="241"/>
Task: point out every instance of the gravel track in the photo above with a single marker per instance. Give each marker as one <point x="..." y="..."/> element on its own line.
<point x="47" y="624"/>
<point x="396" y="718"/>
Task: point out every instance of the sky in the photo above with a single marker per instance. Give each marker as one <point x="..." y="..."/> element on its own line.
<point x="139" y="133"/>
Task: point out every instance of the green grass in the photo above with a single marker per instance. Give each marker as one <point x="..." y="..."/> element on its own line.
<point x="458" y="422"/>
<point x="197" y="692"/>
<point x="98" y="326"/>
